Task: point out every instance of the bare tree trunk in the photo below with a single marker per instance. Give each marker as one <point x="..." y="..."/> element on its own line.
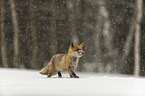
<point x="3" y="42"/>
<point x="98" y="31"/>
<point x="98" y="60"/>
<point x="53" y="37"/>
<point x="110" y="53"/>
<point x="129" y="37"/>
<point x="128" y="43"/>
<point x="127" y="46"/>
<point x="106" y="29"/>
<point x="72" y="19"/>
<point x="34" y="63"/>
<point x="139" y="4"/>
<point x="16" y="31"/>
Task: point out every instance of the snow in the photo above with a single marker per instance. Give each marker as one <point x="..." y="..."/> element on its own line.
<point x="20" y="82"/>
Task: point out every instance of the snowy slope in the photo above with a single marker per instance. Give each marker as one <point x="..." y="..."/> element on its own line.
<point x="16" y="82"/>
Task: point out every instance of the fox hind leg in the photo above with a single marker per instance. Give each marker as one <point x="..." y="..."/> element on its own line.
<point x="59" y="74"/>
<point x="51" y="73"/>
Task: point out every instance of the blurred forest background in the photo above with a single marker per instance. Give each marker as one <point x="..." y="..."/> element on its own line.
<point x="32" y="31"/>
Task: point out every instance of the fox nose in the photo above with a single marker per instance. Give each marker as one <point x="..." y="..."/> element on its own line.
<point x="83" y="52"/>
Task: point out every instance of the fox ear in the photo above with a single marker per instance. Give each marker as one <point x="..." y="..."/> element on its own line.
<point x="72" y="44"/>
<point x="82" y="44"/>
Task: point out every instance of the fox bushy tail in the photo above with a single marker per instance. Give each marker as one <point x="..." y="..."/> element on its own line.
<point x="44" y="71"/>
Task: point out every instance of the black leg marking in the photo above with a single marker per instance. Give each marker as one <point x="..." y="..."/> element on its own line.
<point x="59" y="74"/>
<point x="71" y="76"/>
<point x="74" y="74"/>
<point x="48" y="76"/>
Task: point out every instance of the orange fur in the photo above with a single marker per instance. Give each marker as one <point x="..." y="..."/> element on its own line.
<point x="67" y="61"/>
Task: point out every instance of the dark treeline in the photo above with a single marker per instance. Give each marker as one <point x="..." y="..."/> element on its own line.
<point x="32" y="31"/>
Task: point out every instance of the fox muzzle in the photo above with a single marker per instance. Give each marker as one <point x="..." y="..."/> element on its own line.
<point x="81" y="52"/>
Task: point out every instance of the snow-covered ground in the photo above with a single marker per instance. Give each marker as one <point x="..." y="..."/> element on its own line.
<point x="16" y="82"/>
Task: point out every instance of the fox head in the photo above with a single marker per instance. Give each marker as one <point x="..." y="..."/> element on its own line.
<point x="76" y="50"/>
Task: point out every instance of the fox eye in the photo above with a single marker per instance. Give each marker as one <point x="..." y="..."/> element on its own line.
<point x="77" y="49"/>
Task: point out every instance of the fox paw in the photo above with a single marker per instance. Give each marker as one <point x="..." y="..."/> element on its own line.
<point x="76" y="76"/>
<point x="48" y="76"/>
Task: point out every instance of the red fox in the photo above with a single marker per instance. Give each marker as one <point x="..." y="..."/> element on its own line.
<point x="67" y="62"/>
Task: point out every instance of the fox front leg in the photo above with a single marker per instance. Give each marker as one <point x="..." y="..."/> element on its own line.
<point x="59" y="74"/>
<point x="72" y="73"/>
